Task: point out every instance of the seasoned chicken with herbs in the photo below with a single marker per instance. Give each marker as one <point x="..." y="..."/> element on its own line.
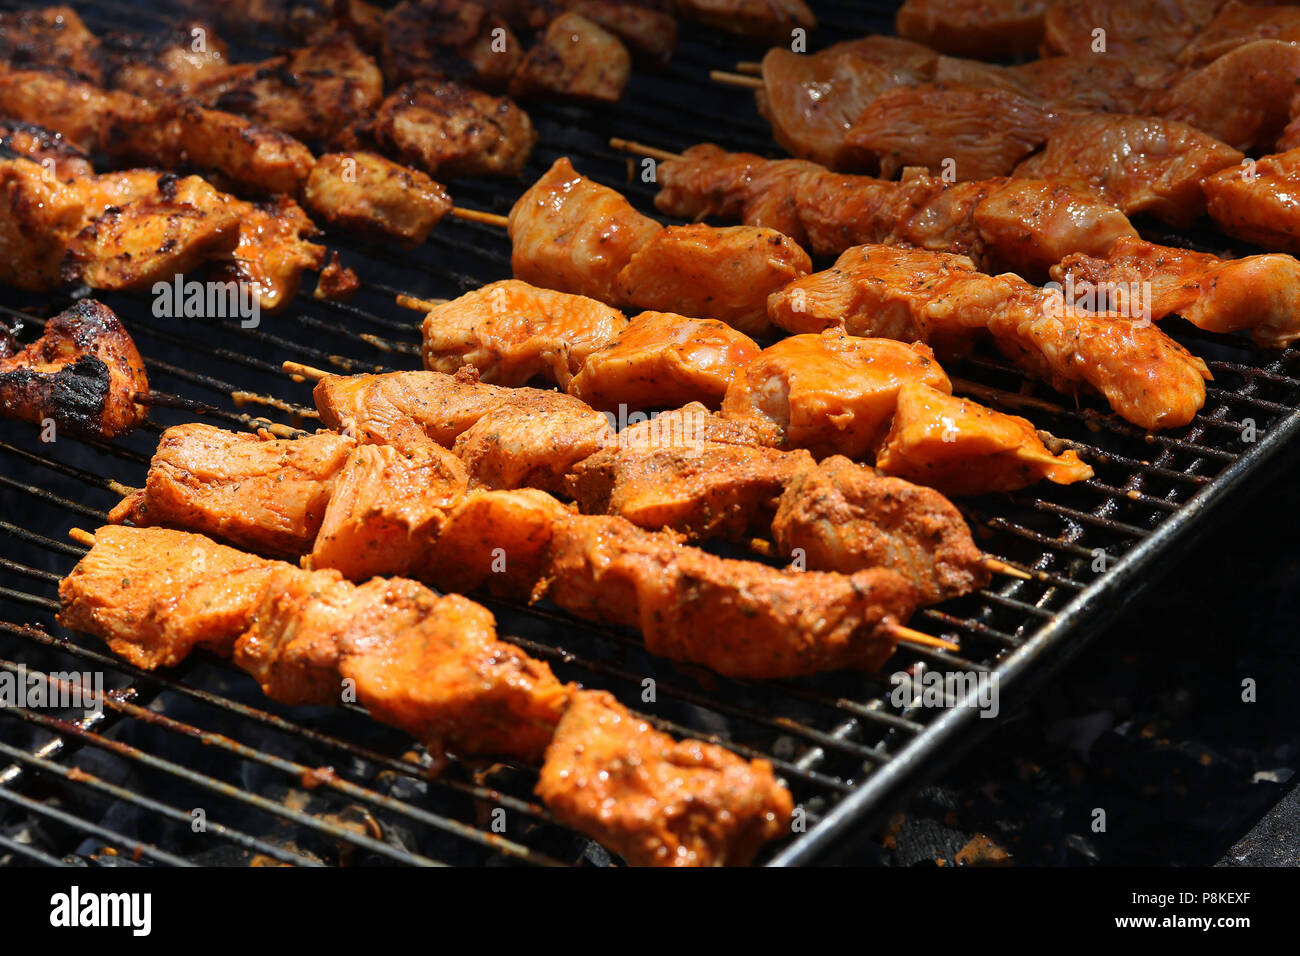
<point x="1256" y="201"/>
<point x="160" y="64"/>
<point x="366" y="193"/>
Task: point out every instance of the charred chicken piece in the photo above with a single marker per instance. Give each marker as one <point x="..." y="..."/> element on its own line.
<point x="39" y="215"/>
<point x="272" y="252"/>
<point x="654" y="801"/>
<point x="83" y="374"/>
<point x="258" y="159"/>
<point x="163" y="64"/>
<point x="448" y="40"/>
<point x="53" y="38"/>
<point x="513" y="332"/>
<point x="52" y="150"/>
<point x="576" y="59"/>
<point x="364" y="192"/>
<point x="85" y="115"/>
<point x="644" y="30"/>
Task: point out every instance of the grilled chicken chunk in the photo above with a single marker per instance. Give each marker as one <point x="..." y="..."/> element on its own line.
<point x="1256" y="201"/>
<point x="711" y="272"/>
<point x="575" y="235"/>
<point x="1256" y="293"/>
<point x="448" y="40"/>
<point x="1237" y="24"/>
<point x="574" y="58"/>
<point x="513" y="332"/>
<point x="989" y="29"/>
<point x="1143" y="164"/>
<point x="663" y="359"/>
<point x="83" y="374"/>
<point x="1155" y="28"/>
<point x="173" y="62"/>
<point x="652" y="800"/>
<point x="264" y="494"/>
<point x="154" y="238"/>
<point x="830" y="393"/>
<point x="1147" y="378"/>
<point x="52" y="38"/>
<point x="253" y="157"/>
<point x="963" y="448"/>
<point x="1114" y="83"/>
<point x="39" y="215"/>
<point x="843" y="517"/>
<point x="60" y="157"/>
<point x="644" y="30"/>
<point x="449" y="130"/>
<point x="771" y="20"/>
<point x="81" y="112"/>
<point x="272" y="251"/>
<point x="364" y="192"/>
<point x="972" y="132"/>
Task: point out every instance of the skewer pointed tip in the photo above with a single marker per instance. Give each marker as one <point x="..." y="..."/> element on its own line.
<point x="1010" y="570"/>
<point x="303" y="373"/>
<point x="641" y="149"/>
<point x="727" y="78"/>
<point x="478" y="215"/>
<point x="82" y="537"/>
<point x="908" y="635"/>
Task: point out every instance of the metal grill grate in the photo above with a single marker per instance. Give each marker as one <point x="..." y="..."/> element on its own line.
<point x="122" y="787"/>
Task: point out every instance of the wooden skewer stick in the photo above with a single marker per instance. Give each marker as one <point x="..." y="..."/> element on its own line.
<point x="417" y="304"/>
<point x="1010" y="570"/>
<point x="750" y="67"/>
<point x="727" y="78"/>
<point x="82" y="537"/>
<point x="478" y="215"/>
<point x="298" y="370"/>
<point x="120" y="489"/>
<point x="910" y="636"/>
<point x="641" y="149"/>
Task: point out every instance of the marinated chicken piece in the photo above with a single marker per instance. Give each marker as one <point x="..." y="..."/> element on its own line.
<point x="337" y="282"/>
<point x="154" y="594"/>
<point x="645" y="31"/>
<point x="811" y="100"/>
<point x="1143" y="164"/>
<point x="81" y="112"/>
<point x="576" y="59"/>
<point x="83" y="373"/>
<point x="1114" y="83"/>
<point x="1154" y="28"/>
<point x="1239" y="23"/>
<point x="449" y="130"/>
<point x="513" y="332"/>
<point x="741" y="619"/>
<point x="664" y="359"/>
<point x="1147" y="378"/>
<point x="159" y="65"/>
<point x="310" y="93"/>
<point x="257" y="492"/>
<point x="448" y="40"/>
<point x="52" y="38"/>
<point x="830" y="393"/>
<point x="988" y="29"/>
<point x="60" y="157"/>
<point x="970" y="132"/>
<point x="1242" y="98"/>
<point x="840" y="516"/>
<point x="364" y="192"/>
<point x="1257" y="201"/>
<point x="654" y="801"/>
<point x="1256" y="293"/>
<point x="38" y="217"/>
<point x="711" y="272"/>
<point x="963" y="448"/>
<point x="154" y="238"/>
<point x="272" y="252"/>
<point x="575" y="235"/>
<point x="258" y="159"/>
<point x="384" y="510"/>
<point x="770" y="20"/>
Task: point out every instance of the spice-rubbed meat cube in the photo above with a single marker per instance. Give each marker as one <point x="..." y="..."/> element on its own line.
<point x="574" y="58"/>
<point x="648" y="32"/>
<point x="272" y="252"/>
<point x="53" y="38"/>
<point x="448" y="40"/>
<point x="173" y="62"/>
<point x="38" y="217"/>
<point x="364" y="192"/>
<point x="254" y="157"/>
<point x="654" y="800"/>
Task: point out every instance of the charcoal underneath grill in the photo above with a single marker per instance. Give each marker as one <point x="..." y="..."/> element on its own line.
<point x="195" y="766"/>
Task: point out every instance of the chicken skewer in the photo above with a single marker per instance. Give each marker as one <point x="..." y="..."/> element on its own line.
<point x="430" y="665"/>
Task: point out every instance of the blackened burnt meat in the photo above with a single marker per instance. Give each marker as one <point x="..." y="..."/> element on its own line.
<point x="83" y="374"/>
<point x="448" y="39"/>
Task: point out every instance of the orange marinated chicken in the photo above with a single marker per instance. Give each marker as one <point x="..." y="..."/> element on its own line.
<point x="652" y="800"/>
<point x="1158" y="29"/>
<point x="963" y="448"/>
<point x="1258" y="201"/>
<point x="1237" y="24"/>
<point x="1114" y="83"/>
<point x="1146" y="377"/>
<point x="989" y="29"/>
<point x="646" y="31"/>
<point x="160" y="64"/>
<point x="82" y="112"/>
<point x="574" y="58"/>
<point x="364" y="192"/>
<point x="1141" y="163"/>
<point x="52" y="38"/>
<point x="661" y="359"/>
<point x="575" y="235"/>
<point x="252" y="156"/>
<point x="265" y="494"/>
<point x="830" y="393"/>
<point x="272" y="252"/>
<point x="771" y="20"/>
<point x="513" y="332"/>
<point x="39" y="215"/>
<point x="1256" y="293"/>
<point x="62" y="158"/>
<point x="711" y="272"/>
<point x="448" y="40"/>
<point x="83" y="373"/>
<point x="155" y="237"/>
<point x="448" y="130"/>
<point x="967" y="131"/>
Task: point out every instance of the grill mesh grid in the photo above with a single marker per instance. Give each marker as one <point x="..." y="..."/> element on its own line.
<point x="202" y="736"/>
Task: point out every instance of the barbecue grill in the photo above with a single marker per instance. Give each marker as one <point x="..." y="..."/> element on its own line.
<point x="195" y="766"/>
